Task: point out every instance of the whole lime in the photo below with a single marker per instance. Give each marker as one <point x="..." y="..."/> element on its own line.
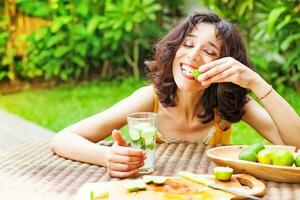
<point x="223" y="173"/>
<point x="265" y="156"/>
<point x="257" y="147"/>
<point x="297" y="161"/>
<point x="283" y="158"/>
<point x="248" y="156"/>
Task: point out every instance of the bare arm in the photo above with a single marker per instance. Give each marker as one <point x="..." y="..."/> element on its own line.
<point x="258" y="118"/>
<point x="283" y="115"/>
<point x="77" y="141"/>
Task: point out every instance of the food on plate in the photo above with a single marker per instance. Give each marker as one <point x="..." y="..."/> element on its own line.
<point x="99" y="194"/>
<point x="283" y="158"/>
<point x="265" y="156"/>
<point x="158" y="180"/>
<point x="223" y="173"/>
<point x="135" y="185"/>
<point x="195" y="178"/>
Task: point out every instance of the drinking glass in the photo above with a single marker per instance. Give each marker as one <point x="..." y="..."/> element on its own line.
<point x="142" y="131"/>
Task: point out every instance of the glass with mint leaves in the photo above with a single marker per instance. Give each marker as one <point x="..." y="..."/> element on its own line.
<point x="142" y="133"/>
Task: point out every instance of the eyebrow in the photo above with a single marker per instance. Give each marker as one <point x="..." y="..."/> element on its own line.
<point x="209" y="42"/>
<point x="213" y="45"/>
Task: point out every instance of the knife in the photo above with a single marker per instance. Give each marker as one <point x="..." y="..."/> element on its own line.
<point x="212" y="184"/>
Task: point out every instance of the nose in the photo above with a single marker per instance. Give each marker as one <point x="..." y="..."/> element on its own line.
<point x="195" y="57"/>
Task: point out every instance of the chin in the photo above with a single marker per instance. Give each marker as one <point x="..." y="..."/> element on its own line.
<point x="184" y="84"/>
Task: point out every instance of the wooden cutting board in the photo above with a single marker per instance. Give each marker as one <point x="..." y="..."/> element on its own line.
<point x="176" y="188"/>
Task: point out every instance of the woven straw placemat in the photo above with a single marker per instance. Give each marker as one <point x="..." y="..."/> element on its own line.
<point x="33" y="171"/>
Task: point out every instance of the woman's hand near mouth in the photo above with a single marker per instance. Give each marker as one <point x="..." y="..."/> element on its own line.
<point x="227" y="70"/>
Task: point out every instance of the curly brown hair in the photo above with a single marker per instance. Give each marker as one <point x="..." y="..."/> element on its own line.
<point x="228" y="98"/>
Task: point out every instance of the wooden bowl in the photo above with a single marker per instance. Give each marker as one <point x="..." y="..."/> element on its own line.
<point x="228" y="156"/>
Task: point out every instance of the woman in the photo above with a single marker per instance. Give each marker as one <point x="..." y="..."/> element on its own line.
<point x="189" y="110"/>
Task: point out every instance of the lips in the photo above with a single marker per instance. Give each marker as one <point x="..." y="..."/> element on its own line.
<point x="186" y="70"/>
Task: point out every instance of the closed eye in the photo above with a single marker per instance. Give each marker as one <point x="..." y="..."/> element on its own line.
<point x="210" y="53"/>
<point x="188" y="46"/>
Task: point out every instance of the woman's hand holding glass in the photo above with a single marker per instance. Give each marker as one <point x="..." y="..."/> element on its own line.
<point x="123" y="161"/>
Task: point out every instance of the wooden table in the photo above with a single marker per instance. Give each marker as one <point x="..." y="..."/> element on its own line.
<point x="33" y="172"/>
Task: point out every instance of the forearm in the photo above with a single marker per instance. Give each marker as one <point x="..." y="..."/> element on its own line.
<point x="283" y="115"/>
<point x="75" y="147"/>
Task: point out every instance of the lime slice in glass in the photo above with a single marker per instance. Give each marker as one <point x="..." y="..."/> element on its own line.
<point x="148" y="132"/>
<point x="134" y="134"/>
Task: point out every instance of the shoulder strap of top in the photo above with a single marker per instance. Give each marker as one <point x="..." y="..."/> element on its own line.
<point x="155" y="98"/>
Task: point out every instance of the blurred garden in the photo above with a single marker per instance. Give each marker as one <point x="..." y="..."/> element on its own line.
<point x="61" y="61"/>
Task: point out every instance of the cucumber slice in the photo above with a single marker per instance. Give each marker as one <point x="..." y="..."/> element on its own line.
<point x="148" y="132"/>
<point x="134" y="134"/>
<point x="135" y="185"/>
<point x="148" y="179"/>
<point x="95" y="195"/>
<point x="195" y="178"/>
<point x="159" y="180"/>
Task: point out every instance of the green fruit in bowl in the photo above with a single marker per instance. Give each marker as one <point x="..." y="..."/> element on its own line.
<point x="256" y="147"/>
<point x="265" y="156"/>
<point x="297" y="161"/>
<point x="283" y="158"/>
<point x="223" y="173"/>
<point x="248" y="155"/>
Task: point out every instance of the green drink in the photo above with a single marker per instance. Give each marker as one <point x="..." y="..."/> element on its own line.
<point x="142" y="131"/>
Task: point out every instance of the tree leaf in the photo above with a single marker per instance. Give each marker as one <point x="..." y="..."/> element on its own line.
<point x="59" y="22"/>
<point x="40" y="33"/>
<point x="60" y="51"/>
<point x="55" y="39"/>
<point x="286" y="43"/>
<point x="92" y="24"/>
<point x="273" y="17"/>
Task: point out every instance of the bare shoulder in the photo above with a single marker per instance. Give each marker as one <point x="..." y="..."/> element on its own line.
<point x="145" y="91"/>
<point x="143" y="98"/>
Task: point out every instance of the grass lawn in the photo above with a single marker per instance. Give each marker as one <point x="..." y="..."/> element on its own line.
<point x="59" y="107"/>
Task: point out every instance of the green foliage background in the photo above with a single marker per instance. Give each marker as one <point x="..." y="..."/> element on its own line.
<point x="109" y="38"/>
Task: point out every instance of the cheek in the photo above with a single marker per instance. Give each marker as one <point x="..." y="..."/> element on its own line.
<point x="207" y="59"/>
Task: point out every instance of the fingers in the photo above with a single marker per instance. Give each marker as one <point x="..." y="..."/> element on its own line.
<point x="127" y="151"/>
<point x="226" y="76"/>
<point x="214" y="71"/>
<point x="124" y="167"/>
<point x="117" y="136"/>
<point x="120" y="174"/>
<point x="212" y="64"/>
<point x="125" y="159"/>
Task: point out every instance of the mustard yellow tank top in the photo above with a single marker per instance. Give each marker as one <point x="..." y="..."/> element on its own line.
<point x="215" y="136"/>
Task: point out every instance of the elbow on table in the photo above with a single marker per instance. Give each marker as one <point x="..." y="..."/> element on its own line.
<point x="57" y="143"/>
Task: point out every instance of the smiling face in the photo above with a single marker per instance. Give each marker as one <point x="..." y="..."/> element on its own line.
<point x="199" y="47"/>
